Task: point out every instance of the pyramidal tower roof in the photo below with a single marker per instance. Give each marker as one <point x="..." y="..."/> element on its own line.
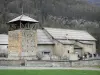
<point x="23" y="18"/>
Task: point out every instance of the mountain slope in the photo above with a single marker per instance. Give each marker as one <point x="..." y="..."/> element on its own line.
<point x="96" y="2"/>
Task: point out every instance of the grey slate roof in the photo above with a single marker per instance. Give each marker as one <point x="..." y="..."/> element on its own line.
<point x="43" y="38"/>
<point x="23" y="18"/>
<point x="3" y="39"/>
<point x="62" y="34"/>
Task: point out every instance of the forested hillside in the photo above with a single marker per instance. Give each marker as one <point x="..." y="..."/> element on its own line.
<point x="96" y="2"/>
<point x="73" y="14"/>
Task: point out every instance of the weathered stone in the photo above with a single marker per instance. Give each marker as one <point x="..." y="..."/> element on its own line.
<point x="23" y="44"/>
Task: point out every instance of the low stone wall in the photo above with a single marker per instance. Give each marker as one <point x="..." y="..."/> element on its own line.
<point x="30" y="63"/>
<point x="10" y="62"/>
<point x="47" y="64"/>
<point x="84" y="63"/>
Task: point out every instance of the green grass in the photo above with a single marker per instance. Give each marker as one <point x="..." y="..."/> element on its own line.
<point x="49" y="72"/>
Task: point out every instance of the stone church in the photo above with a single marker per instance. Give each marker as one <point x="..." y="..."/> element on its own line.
<point x="28" y="42"/>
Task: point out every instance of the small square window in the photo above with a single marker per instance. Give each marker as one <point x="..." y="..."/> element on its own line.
<point x="46" y="53"/>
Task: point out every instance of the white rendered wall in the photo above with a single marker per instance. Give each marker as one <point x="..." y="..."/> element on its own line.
<point x="3" y="48"/>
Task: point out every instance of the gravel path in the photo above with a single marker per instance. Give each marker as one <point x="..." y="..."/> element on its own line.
<point x="47" y="68"/>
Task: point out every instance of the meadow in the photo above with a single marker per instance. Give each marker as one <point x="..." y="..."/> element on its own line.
<point x="49" y="72"/>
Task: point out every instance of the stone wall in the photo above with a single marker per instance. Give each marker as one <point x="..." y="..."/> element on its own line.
<point x="91" y="48"/>
<point x="14" y="40"/>
<point x="22" y="43"/>
<point x="10" y="62"/>
<point x="84" y="63"/>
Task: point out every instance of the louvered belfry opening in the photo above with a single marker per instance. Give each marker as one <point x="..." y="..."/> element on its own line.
<point x="22" y="22"/>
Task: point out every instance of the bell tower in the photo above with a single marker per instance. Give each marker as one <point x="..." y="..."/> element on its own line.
<point x="22" y="38"/>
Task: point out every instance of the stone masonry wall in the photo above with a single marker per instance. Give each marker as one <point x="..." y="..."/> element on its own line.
<point x="86" y="63"/>
<point x="31" y="63"/>
<point x="14" y="40"/>
<point x="22" y="43"/>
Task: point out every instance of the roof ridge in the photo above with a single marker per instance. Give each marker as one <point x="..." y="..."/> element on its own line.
<point x="64" y="29"/>
<point x="21" y="16"/>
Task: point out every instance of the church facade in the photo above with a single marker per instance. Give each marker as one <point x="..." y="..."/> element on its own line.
<point x="48" y="43"/>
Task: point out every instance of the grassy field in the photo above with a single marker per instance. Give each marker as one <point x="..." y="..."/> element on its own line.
<point x="49" y="72"/>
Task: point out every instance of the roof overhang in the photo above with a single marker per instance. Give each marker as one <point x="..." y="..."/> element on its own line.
<point x="86" y="42"/>
<point x="22" y="18"/>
